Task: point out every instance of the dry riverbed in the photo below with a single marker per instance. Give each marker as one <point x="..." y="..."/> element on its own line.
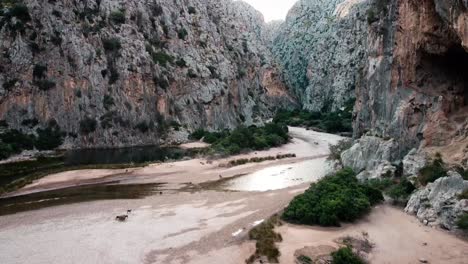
<point x="195" y="222"/>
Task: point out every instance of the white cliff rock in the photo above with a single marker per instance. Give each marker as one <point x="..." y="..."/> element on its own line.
<point x="438" y="203"/>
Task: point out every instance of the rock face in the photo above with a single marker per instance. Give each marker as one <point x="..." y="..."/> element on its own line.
<point x="415" y="89"/>
<point x="322" y="49"/>
<point x="438" y="203"/>
<point x="132" y="68"/>
<point x="370" y="156"/>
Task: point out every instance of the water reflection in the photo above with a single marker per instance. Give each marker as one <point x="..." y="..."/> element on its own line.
<point x="79" y="194"/>
<point x="279" y="177"/>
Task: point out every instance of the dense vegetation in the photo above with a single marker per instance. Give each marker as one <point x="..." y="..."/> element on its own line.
<point x="462" y="222"/>
<point x="13" y="141"/>
<point x="331" y="122"/>
<point x="244" y="138"/>
<point x="345" y="255"/>
<point x="334" y="199"/>
<point x="399" y="189"/>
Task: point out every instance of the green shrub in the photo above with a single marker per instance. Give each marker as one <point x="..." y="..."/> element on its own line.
<point x="181" y="63"/>
<point x="380" y="184"/>
<point x="7" y="85"/>
<point x="44" y="85"/>
<point x="304" y="260"/>
<point x="334" y="199"/>
<point x="30" y="122"/>
<point x="198" y="134"/>
<point x="339" y="148"/>
<point x="117" y="17"/>
<point x="346" y="255"/>
<point x="142" y="126"/>
<point x="192" y="10"/>
<point x="331" y="122"/>
<point x="39" y="71"/>
<point x="463" y="195"/>
<point x="20" y="12"/>
<point x="243" y="138"/>
<point x="162" y="58"/>
<point x="17" y="140"/>
<point x="462" y="222"/>
<point x="266" y="238"/>
<point x="182" y="33"/>
<point x="88" y="125"/>
<point x="111" y="44"/>
<point x="108" y="101"/>
<point x="5" y="151"/>
<point x="433" y="171"/>
<point x="49" y="138"/>
<point x="401" y="191"/>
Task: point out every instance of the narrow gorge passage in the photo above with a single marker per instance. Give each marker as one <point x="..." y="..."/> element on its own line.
<point x="234" y="131"/>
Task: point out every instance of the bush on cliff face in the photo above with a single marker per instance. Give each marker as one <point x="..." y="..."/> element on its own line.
<point x="87" y="126"/>
<point x="118" y="17"/>
<point x="462" y="222"/>
<point x="334" y="199"/>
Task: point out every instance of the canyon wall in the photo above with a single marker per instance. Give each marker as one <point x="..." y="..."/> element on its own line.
<point x="119" y="73"/>
<point x="416" y="86"/>
<point x="322" y="49"/>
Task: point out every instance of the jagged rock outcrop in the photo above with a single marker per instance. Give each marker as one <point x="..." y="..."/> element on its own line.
<point x="115" y="73"/>
<point x="322" y="48"/>
<point x="438" y="203"/>
<point x="413" y="163"/>
<point x="416" y="88"/>
<point x="370" y="157"/>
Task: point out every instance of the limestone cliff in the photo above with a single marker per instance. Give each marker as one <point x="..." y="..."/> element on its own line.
<point x="115" y="73"/>
<point x="416" y="87"/>
<point x="322" y="49"/>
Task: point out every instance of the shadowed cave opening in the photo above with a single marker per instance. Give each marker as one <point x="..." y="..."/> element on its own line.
<point x="446" y="74"/>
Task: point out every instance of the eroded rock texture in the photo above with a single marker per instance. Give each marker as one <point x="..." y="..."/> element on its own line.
<point x="438" y="204"/>
<point x="416" y="80"/>
<point x="129" y="68"/>
<point x="322" y="49"/>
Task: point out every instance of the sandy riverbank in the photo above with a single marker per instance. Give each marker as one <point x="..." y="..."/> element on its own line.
<point x="305" y="144"/>
<point x="201" y="226"/>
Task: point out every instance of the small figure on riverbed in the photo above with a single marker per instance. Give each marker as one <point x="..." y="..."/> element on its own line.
<point x="121" y="218"/>
<point x="129" y="211"/>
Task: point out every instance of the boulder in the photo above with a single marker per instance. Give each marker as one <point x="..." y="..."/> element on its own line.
<point x="413" y="162"/>
<point x="372" y="156"/>
<point x="438" y="204"/>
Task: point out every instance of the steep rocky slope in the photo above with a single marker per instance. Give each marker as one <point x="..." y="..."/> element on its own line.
<point x="416" y="87"/>
<point x="322" y="49"/>
<point x="415" y="96"/>
<point x="115" y="73"/>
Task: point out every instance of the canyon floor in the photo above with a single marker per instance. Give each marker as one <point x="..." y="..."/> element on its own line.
<point x="201" y="213"/>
